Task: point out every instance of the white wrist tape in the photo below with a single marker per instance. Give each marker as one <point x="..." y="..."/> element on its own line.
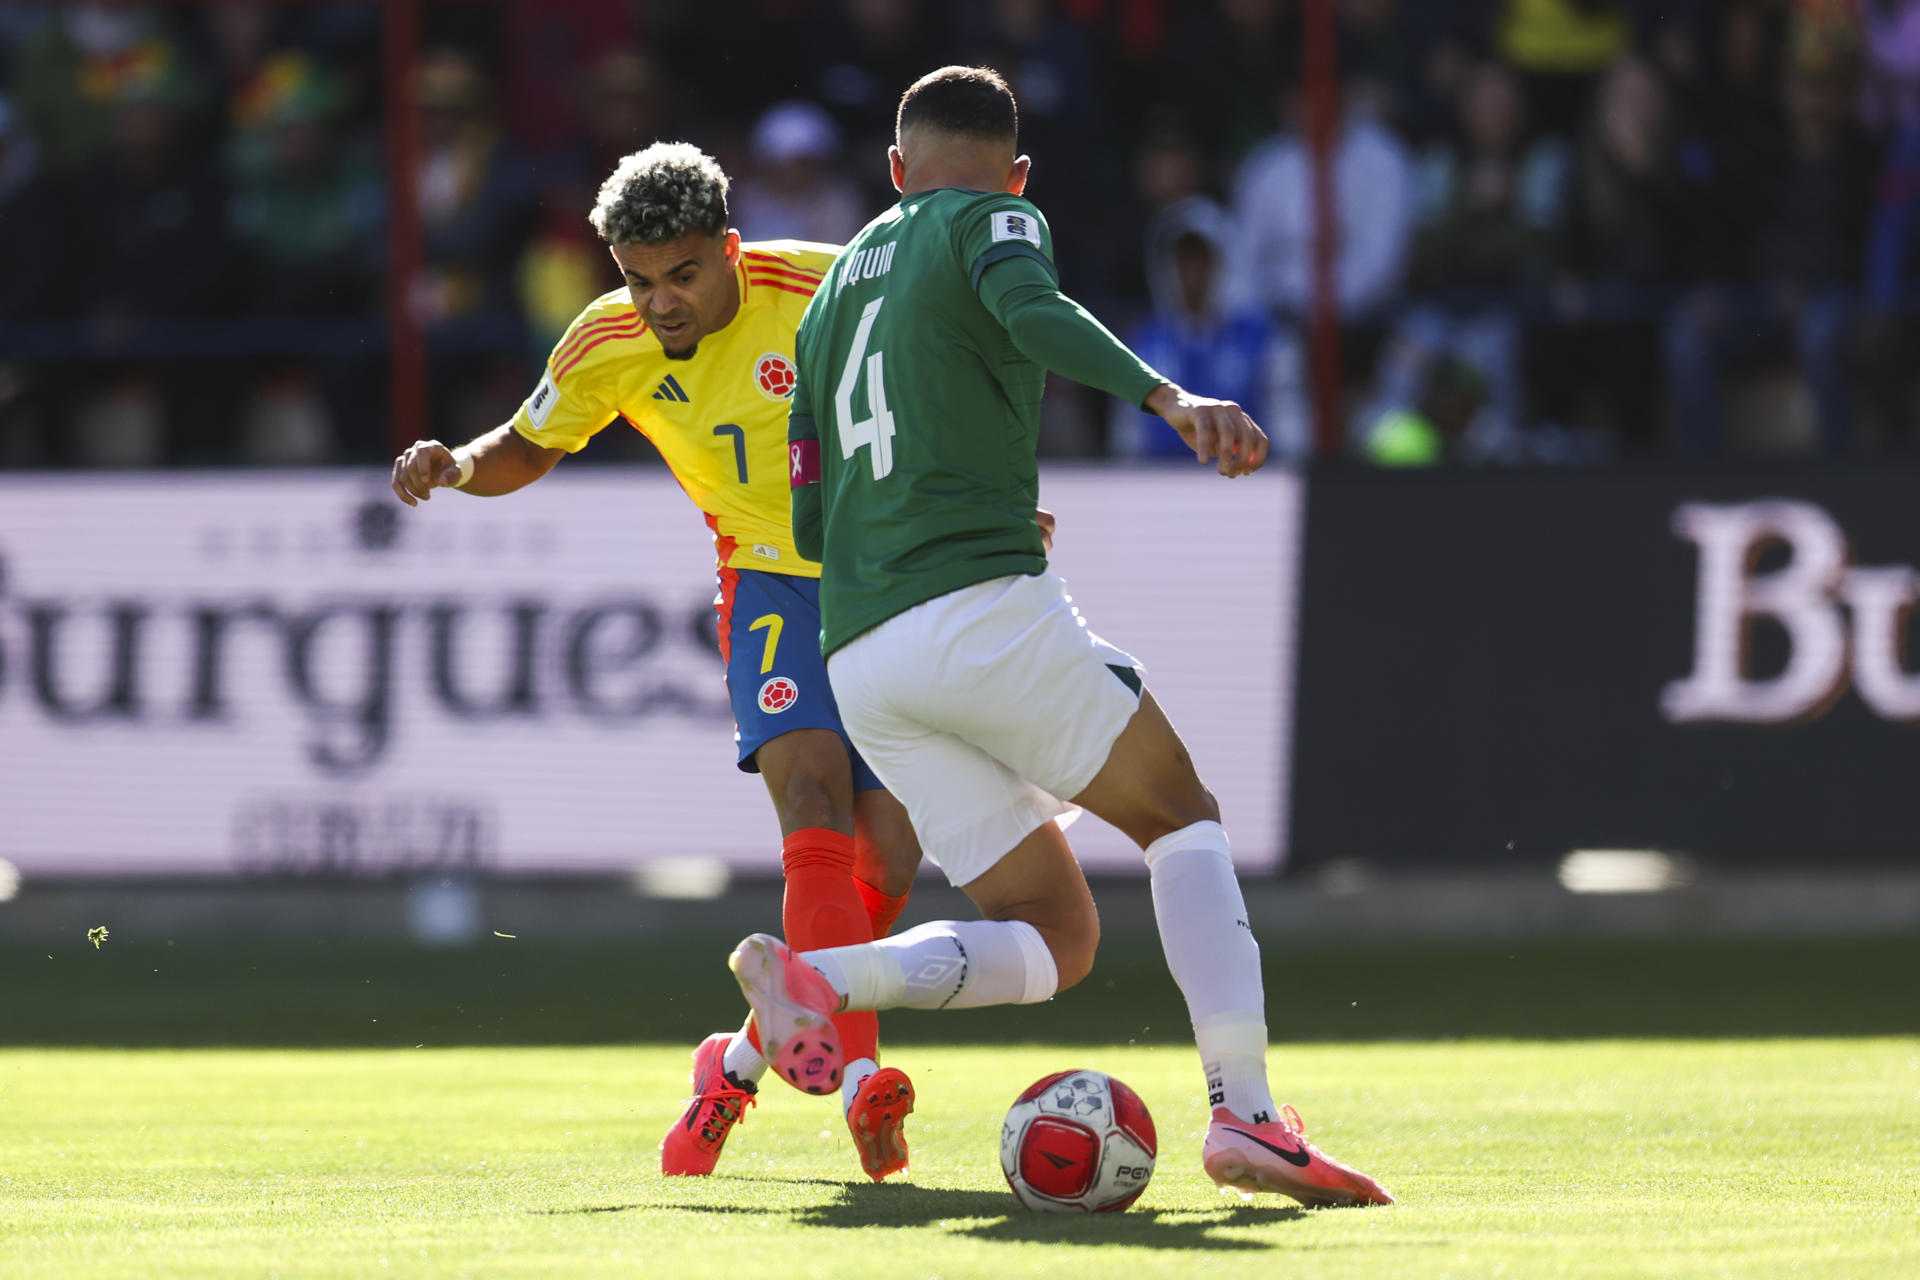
<point x="465" y="462"/>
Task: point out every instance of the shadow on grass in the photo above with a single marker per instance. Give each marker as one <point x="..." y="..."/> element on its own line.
<point x="995" y="1215"/>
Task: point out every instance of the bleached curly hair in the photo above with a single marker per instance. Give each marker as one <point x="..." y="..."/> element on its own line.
<point x="661" y="194"/>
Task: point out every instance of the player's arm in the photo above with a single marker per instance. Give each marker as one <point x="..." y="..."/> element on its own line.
<point x="803" y="472"/>
<point x="1059" y="334"/>
<point x="498" y="462"/>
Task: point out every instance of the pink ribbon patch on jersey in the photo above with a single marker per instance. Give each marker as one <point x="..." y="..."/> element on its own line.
<point x="803" y="462"/>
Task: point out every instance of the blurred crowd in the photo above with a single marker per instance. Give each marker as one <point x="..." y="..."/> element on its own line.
<point x="1565" y="230"/>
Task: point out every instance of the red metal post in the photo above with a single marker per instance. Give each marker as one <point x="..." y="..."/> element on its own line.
<point x="1323" y="111"/>
<point x="407" y="392"/>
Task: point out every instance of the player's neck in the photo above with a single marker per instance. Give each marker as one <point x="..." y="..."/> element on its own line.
<point x="931" y="162"/>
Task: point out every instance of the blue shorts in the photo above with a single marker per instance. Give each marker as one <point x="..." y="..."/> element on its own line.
<point x="776" y="678"/>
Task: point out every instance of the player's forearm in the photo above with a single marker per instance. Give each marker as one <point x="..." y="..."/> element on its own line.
<point x="1059" y="334"/>
<point x="503" y="461"/>
<point x="809" y="524"/>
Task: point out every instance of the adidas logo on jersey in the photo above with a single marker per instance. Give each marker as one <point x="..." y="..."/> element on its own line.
<point x="670" y="390"/>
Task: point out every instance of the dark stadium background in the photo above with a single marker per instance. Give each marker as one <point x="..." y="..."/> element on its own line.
<point x="1595" y="265"/>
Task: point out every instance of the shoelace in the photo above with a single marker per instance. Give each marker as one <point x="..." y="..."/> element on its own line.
<point x="1291" y="1121"/>
<point x="723" y="1109"/>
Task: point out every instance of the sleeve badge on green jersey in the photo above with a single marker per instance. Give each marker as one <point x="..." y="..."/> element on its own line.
<point x="775" y="376"/>
<point x="1014" y="225"/>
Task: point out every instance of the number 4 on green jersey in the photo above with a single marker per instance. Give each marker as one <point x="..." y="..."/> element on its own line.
<point x="876" y="428"/>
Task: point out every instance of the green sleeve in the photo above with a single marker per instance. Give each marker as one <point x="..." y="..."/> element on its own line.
<point x="1058" y="334"/>
<point x="803" y="440"/>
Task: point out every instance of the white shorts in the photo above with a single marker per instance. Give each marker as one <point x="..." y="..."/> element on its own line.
<point x="984" y="710"/>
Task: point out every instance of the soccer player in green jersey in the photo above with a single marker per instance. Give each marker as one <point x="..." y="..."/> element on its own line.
<point x="964" y="673"/>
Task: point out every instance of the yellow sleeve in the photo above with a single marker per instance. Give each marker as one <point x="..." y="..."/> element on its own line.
<point x="574" y="399"/>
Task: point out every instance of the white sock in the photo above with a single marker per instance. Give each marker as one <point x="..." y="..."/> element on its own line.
<point x="742" y="1061"/>
<point x="856" y="1073"/>
<point x="1212" y="954"/>
<point x="945" y="964"/>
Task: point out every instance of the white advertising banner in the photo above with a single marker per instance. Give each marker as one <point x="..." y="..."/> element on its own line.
<point x="252" y="672"/>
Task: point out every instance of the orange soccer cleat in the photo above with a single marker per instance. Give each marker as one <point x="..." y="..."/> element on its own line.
<point x="880" y="1108"/>
<point x="692" y="1145"/>
<point x="793" y="1006"/>
<point x="1276" y="1156"/>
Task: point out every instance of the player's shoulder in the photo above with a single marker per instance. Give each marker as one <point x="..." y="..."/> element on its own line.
<point x="998" y="216"/>
<point x="803" y="257"/>
<point x="608" y="324"/>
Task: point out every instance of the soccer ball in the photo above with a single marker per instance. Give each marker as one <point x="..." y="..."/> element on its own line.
<point x="1077" y="1142"/>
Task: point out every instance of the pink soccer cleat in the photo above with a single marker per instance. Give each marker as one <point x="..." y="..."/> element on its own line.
<point x="793" y="1006"/>
<point x="692" y="1145"/>
<point x="879" y="1109"/>
<point x="1276" y="1156"/>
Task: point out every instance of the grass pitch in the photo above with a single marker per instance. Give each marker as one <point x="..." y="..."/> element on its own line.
<point x="193" y="1112"/>
<point x="1582" y="1158"/>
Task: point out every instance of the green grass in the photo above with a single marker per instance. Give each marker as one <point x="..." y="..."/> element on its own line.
<point x="1568" y="1108"/>
<point x="1573" y="1158"/>
<point x="672" y="990"/>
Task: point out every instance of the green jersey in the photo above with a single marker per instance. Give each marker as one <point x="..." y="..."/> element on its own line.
<point x="922" y="359"/>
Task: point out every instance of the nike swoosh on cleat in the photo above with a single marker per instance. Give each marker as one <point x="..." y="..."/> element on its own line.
<point x="1300" y="1159"/>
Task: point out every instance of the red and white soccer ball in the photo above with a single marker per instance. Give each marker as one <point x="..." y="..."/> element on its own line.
<point x="1078" y="1142"/>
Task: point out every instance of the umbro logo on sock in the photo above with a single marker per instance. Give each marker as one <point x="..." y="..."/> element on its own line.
<point x="671" y="390"/>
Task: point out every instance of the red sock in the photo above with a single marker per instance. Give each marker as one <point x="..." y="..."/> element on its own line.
<point x="823" y="909"/>
<point x="882" y="910"/>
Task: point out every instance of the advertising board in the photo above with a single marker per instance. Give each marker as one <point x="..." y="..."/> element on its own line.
<point x="219" y="673"/>
<point x="1502" y="666"/>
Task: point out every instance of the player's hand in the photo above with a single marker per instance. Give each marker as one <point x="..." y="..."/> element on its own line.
<point x="425" y="466"/>
<point x="1213" y="429"/>
<point x="1044" y="519"/>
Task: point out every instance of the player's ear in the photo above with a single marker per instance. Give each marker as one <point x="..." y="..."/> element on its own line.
<point x="732" y="248"/>
<point x="1017" y="175"/>
<point x="897" y="168"/>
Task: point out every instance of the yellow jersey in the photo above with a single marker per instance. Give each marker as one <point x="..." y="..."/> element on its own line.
<point x="719" y="418"/>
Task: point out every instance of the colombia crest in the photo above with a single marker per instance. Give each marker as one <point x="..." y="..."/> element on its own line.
<point x="775" y="375"/>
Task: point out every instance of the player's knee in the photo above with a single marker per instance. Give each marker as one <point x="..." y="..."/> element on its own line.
<point x="1177" y="811"/>
<point x="1073" y="943"/>
<point x="806" y="798"/>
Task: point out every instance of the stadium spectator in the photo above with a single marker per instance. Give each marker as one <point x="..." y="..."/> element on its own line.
<point x="1562" y="49"/>
<point x="1617" y="256"/>
<point x="1229" y="65"/>
<point x="307" y="214"/>
<point x="860" y="56"/>
<point x="1803" y="284"/>
<point x="1490" y="204"/>
<point x="797" y="191"/>
<point x="565" y="265"/>
<point x="1195" y="339"/>
<point x="66" y="74"/>
<point x="1273" y="207"/>
<point x="1892" y="102"/>
<point x="30" y="224"/>
<point x="148" y="245"/>
<point x="477" y="214"/>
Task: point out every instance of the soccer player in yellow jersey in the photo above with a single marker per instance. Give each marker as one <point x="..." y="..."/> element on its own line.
<point x="696" y="351"/>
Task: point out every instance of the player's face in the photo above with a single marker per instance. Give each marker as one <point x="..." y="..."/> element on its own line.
<point x="685" y="289"/>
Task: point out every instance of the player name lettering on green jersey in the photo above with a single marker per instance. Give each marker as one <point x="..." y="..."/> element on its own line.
<point x="867" y="264"/>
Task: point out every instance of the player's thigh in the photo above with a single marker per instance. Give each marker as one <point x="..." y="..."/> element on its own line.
<point x="1031" y="685"/>
<point x="809" y="775"/>
<point x="887" y="854"/>
<point x="966" y="808"/>
<point x="1148" y="786"/>
<point x="1041" y="883"/>
<point x="787" y="724"/>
